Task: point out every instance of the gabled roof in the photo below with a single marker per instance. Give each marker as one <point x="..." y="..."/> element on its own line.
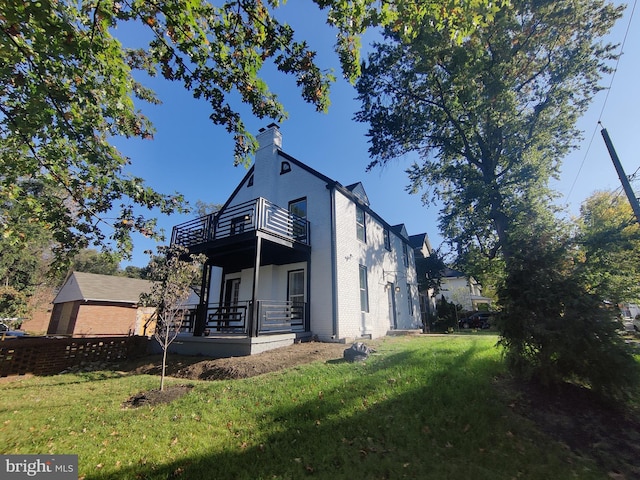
<point x="354" y="191"/>
<point x="401" y="231"/>
<point x="358" y="190"/>
<point x="101" y="288"/>
<point x="417" y="241"/>
<point x="421" y="245"/>
<point x="451" y="273"/>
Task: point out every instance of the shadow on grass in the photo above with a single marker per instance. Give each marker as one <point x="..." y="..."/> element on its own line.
<point x="413" y="413"/>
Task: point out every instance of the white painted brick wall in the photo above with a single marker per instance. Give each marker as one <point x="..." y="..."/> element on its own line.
<point x="350" y="254"/>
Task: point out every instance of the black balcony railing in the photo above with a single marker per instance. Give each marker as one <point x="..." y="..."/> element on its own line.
<point x="259" y="214"/>
<point x="273" y="317"/>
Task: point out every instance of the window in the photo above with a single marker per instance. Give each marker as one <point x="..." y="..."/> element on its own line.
<point x="387" y="239"/>
<point x="238" y="224"/>
<point x="361" y="227"/>
<point x="409" y="299"/>
<point x="364" y="291"/>
<point x="285" y="167"/>
<point x="299" y="209"/>
<point x="405" y="254"/>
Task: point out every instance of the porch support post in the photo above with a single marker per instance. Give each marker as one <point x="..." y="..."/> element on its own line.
<point x="201" y="312"/>
<point x="254" y="323"/>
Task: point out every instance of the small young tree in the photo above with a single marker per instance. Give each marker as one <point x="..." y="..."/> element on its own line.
<point x="173" y="276"/>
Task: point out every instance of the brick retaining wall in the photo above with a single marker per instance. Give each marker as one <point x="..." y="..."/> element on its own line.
<point x="48" y="356"/>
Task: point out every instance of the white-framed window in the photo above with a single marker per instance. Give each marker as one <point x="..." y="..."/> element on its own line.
<point x="361" y="226"/>
<point x="364" y="289"/>
<point x="405" y="254"/>
<point x="387" y="239"/>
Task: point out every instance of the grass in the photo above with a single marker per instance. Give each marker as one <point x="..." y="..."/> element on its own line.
<point x="419" y="408"/>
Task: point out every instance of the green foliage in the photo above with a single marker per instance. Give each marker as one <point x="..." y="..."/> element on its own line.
<point x="65" y="90"/>
<point x="553" y="328"/>
<point x="609" y="241"/>
<point x="430" y="271"/>
<point x="92" y="261"/>
<point x="448" y="314"/>
<point x="490" y="117"/>
<point x="173" y="272"/>
<point x="68" y="87"/>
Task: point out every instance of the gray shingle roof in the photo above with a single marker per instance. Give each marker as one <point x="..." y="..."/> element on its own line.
<point x="103" y="288"/>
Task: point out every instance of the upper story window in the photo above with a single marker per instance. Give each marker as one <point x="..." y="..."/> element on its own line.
<point x="299" y="209"/>
<point x="405" y="254"/>
<point x="387" y="239"/>
<point x="361" y="227"/>
<point x="285" y="167"/>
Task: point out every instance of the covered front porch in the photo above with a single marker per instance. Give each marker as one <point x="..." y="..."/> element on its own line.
<point x="254" y="292"/>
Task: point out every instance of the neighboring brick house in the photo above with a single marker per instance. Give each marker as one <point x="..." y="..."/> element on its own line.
<point x="329" y="266"/>
<point x="91" y="305"/>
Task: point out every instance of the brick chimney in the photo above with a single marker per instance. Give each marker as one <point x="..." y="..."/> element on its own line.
<point x="269" y="137"/>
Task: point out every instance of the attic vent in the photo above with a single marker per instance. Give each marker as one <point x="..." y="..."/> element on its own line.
<point x="285" y="167"/>
<point x="250" y="182"/>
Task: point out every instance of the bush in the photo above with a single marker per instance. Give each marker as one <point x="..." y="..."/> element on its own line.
<point x="554" y="330"/>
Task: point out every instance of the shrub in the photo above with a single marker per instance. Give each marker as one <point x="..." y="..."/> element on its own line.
<point x="553" y="330"/>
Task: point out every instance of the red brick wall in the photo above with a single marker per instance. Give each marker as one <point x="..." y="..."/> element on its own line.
<point x="104" y="319"/>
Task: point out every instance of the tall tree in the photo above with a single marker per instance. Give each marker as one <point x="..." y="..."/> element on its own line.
<point x="67" y="87"/>
<point x="490" y="118"/>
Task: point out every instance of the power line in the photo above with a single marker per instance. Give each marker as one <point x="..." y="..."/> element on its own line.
<point x="604" y="104"/>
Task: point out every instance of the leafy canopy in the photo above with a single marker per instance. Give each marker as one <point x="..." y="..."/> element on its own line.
<point x="490" y="118"/>
<point x="609" y="241"/>
<point x="68" y="86"/>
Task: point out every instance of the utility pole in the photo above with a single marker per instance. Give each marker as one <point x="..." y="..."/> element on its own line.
<point x="623" y="177"/>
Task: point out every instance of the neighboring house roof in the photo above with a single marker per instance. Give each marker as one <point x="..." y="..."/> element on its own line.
<point x="416" y="241"/>
<point x="451" y="273"/>
<point x="101" y="288"/>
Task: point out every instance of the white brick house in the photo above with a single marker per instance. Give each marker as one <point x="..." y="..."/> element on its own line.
<point x="328" y="265"/>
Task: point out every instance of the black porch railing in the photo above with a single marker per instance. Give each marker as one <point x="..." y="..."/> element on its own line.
<point x="258" y="214"/>
<point x="273" y="317"/>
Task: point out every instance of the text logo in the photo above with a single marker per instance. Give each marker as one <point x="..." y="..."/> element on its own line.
<point x="49" y="467"/>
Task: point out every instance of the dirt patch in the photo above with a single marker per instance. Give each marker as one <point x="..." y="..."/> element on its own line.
<point x="157" y="397"/>
<point x="197" y="368"/>
<point x="578" y="419"/>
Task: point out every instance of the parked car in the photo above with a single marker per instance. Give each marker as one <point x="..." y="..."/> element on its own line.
<point x="476" y="320"/>
<point x="5" y="331"/>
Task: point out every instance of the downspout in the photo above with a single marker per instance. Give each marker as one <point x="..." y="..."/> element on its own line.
<point x="334" y="262"/>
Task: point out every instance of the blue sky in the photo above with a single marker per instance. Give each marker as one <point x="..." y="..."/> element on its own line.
<point x="192" y="156"/>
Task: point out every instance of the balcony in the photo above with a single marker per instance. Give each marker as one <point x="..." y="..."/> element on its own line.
<point x="273" y="317"/>
<point x="259" y="215"/>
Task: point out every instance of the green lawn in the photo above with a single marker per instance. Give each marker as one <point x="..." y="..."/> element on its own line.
<point x="419" y="408"/>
